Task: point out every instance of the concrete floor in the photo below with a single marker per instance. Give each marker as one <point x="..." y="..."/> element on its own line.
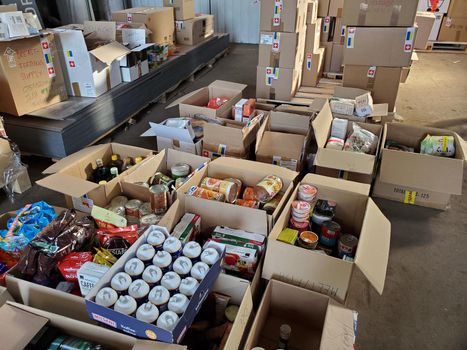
<point x="424" y="303"/>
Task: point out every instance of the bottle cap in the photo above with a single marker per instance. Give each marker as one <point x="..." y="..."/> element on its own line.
<point x="285" y="331"/>
<point x="114" y="157"/>
<point x="138" y="160"/>
<point x="102" y="182"/>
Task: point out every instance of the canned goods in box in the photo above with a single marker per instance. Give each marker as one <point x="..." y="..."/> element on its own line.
<point x="145" y="209"/>
<point x="249" y="194"/>
<point x="299" y="226"/>
<point x="267" y="188"/>
<point x="308" y="240"/>
<point x="150" y="219"/>
<point x="159" y="203"/>
<point x="330" y="232"/>
<point x="199" y="192"/>
<point x="161" y="179"/>
<point x="180" y="170"/>
<point x="132" y="210"/>
<point x="248" y="203"/>
<point x="307" y="193"/>
<point x="227" y="188"/>
<point x="347" y="246"/>
<point x="239" y="185"/>
<point x="119" y="201"/>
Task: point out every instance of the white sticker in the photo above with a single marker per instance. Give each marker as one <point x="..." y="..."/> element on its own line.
<point x="179" y="25"/>
<point x="266" y="39"/>
<point x="272" y="73"/>
<point x="276" y="39"/>
<point x="129" y="17"/>
<point x="309" y="60"/>
<point x="351" y="37"/>
<point x="278" y="8"/>
<point x="83" y="204"/>
<point x="371" y="72"/>
<point x="343" y="30"/>
<point x="409" y="37"/>
<point x="11" y="57"/>
<point x="45" y="45"/>
<point x="326" y="23"/>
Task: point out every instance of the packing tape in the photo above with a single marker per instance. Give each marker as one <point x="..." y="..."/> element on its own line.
<point x="277" y="15"/>
<point x="45" y="45"/>
<point x="409" y="197"/>
<point x="395" y="14"/>
<point x="275" y="56"/>
<point x="70" y="59"/>
<point x="362" y="13"/>
<point x="222" y="149"/>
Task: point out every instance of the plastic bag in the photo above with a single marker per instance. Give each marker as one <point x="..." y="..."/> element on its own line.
<point x="217" y="102"/>
<point x="14" y="169"/>
<point x="361" y="141"/>
<point x="441" y="146"/>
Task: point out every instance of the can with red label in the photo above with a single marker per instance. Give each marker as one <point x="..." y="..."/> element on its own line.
<point x="330" y="232"/>
<point x="347" y="246"/>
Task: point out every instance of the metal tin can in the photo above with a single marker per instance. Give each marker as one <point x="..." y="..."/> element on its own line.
<point x="161" y="179"/>
<point x="180" y="170"/>
<point x="326" y="207"/>
<point x="307" y="240"/>
<point x="248" y="203"/>
<point x="227" y="188"/>
<point x="271" y="206"/>
<point x="267" y="188"/>
<point x="239" y="184"/>
<point x="307" y="193"/>
<point x="330" y="232"/>
<point x="347" y="245"/>
<point x="299" y="226"/>
<point x="199" y="192"/>
<point x="301" y="211"/>
<point x="119" y="210"/>
<point x="145" y="209"/>
<point x="119" y="201"/>
<point x="132" y="210"/>
<point x="150" y="219"/>
<point x="159" y="203"/>
<point x="249" y="194"/>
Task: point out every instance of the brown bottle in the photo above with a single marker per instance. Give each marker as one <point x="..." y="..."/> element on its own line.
<point x="116" y="162"/>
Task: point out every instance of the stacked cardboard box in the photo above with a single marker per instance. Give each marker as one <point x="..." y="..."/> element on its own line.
<point x="379" y="43"/>
<point x="442" y="8"/>
<point x="454" y="25"/>
<point x="281" y="48"/>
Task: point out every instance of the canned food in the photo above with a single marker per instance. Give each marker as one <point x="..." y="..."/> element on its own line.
<point x="239" y="185"/>
<point x="318" y="219"/>
<point x="301" y="209"/>
<point x="180" y="170"/>
<point x="326" y="207"/>
<point x="307" y="193"/>
<point x="180" y="181"/>
<point x="347" y="246"/>
<point x="330" y="232"/>
<point x="249" y="194"/>
<point x="267" y="188"/>
<point x="159" y="203"/>
<point x="161" y="179"/>
<point x="307" y="240"/>
<point x="120" y="210"/>
<point x="199" y="192"/>
<point x="145" y="209"/>
<point x="248" y="203"/>
<point x="118" y="201"/>
<point x="298" y="225"/>
<point x="227" y="188"/>
<point x="150" y="219"/>
<point x="132" y="210"/>
<point x="272" y="205"/>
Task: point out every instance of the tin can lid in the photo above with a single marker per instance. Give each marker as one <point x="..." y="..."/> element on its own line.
<point x="180" y="169"/>
<point x="158" y="189"/>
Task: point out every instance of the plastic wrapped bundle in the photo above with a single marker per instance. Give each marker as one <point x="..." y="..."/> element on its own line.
<point x="361" y="141"/>
<point x="441" y="146"/>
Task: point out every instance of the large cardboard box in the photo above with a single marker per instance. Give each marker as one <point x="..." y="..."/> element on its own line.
<point x="382" y="82"/>
<point x="358" y="215"/>
<point x="184" y="9"/>
<point x="312" y="12"/>
<point x="283" y="16"/>
<point x="278" y="49"/>
<point x="250" y="173"/>
<point x="233" y="139"/>
<point x="336" y="8"/>
<point x="453" y="29"/>
<point x="313" y="32"/>
<point x="457" y="8"/>
<point x="436" y="27"/>
<point x="426" y="173"/>
<point x="195" y="30"/>
<point x="135" y="64"/>
<point x="196" y="101"/>
<point x="30" y="75"/>
<point x="425" y="22"/>
<point x="376" y="13"/>
<point x="377" y="46"/>
<point x="327" y="56"/>
<point x="160" y="21"/>
<point x="359" y="167"/>
<point x="442" y="7"/>
<point x="70" y="175"/>
<point x="323" y="8"/>
<point x="337" y="58"/>
<point x="327" y="25"/>
<point x="277" y="83"/>
<point x="313" y="67"/>
<point x="284" y="140"/>
<point x="316" y="320"/>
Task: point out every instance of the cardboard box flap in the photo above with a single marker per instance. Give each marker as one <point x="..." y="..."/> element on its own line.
<point x="72" y="159"/>
<point x="338" y="329"/>
<point x="146" y="169"/>
<point x="183" y="98"/>
<point x="348" y="92"/>
<point x="101" y="30"/>
<point x="18" y="327"/>
<point x="68" y="185"/>
<point x="289" y="122"/>
<point x="338" y="184"/>
<point x="151" y="345"/>
<point x="110" y="52"/>
<point x="168" y="132"/>
<point x="321" y="125"/>
<point x="222" y="84"/>
<point x="215" y="134"/>
<point x="287" y="146"/>
<point x="373" y="246"/>
<point x="343" y="160"/>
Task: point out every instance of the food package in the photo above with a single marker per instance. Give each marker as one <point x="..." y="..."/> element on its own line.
<point x="339" y="128"/>
<point x="71" y="263"/>
<point x="364" y="105"/>
<point x="441" y="146"/>
<point x="335" y="143"/>
<point x="342" y="106"/>
<point x="361" y="141"/>
<point x="217" y="102"/>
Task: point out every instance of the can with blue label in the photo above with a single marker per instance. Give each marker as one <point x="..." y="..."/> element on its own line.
<point x="330" y="233"/>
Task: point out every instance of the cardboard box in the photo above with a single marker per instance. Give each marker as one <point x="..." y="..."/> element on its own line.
<point x="278" y="49"/>
<point x="4" y="296"/>
<point x="312" y="12"/>
<point x="284" y="139"/>
<point x="390" y="47"/>
<point x="22" y="323"/>
<point x="316" y="320"/>
<point x="327" y="56"/>
<point x="313" y="67"/>
<point x="333" y="162"/>
<point x="383" y="82"/>
<point x="160" y="21"/>
<point x="89" y="73"/>
<point x="194" y="31"/>
<point x="284" y="16"/>
<point x="327" y="29"/>
<point x="196" y="102"/>
<point x="233" y="139"/>
<point x="184" y="9"/>
<point x="379" y="110"/>
<point x="337" y="58"/>
<point x="436" y="27"/>
<point x="427" y="173"/>
<point x="453" y="29"/>
<point x="70" y="175"/>
<point x="250" y="173"/>
<point x="30" y="74"/>
<point x="313" y="32"/>
<point x="323" y="8"/>
<point x="442" y="7"/>
<point x="357" y="214"/>
<point x="425" y="22"/>
<point x="338" y="35"/>
<point x="135" y="64"/>
<point x="277" y="83"/>
<point x="376" y="13"/>
<point x="336" y="8"/>
<point x="457" y="8"/>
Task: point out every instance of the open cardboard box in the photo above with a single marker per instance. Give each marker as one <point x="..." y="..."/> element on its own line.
<point x="284" y="140"/>
<point x="135" y="64"/>
<point x="212" y="215"/>
<point x="354" y="166"/>
<point x="21" y="323"/>
<point x="196" y="101"/>
<point x="423" y="178"/>
<point x="233" y="139"/>
<point x="380" y="110"/>
<point x="162" y="162"/>
<point x="358" y="215"/>
<point x="316" y="320"/>
<point x="70" y="175"/>
<point x="250" y="173"/>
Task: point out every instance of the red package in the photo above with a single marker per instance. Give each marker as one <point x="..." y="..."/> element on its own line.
<point x="217" y="102"/>
<point x="104" y="225"/>
<point x="118" y="240"/>
<point x="71" y="263"/>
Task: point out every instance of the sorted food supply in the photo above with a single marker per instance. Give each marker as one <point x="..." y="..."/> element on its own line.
<point x="441" y="146"/>
<point x="268" y="188"/>
<point x="200" y="192"/>
<point x="227" y="188"/>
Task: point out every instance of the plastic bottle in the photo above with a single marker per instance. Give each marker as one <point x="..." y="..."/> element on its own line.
<point x="114" y="172"/>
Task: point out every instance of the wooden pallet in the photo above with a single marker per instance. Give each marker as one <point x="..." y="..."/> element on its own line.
<point x="324" y="89"/>
<point x="445" y="47"/>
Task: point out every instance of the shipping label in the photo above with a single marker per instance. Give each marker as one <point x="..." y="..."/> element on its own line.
<point x="83" y="204"/>
<point x="278" y="8"/>
<point x="266" y="39"/>
<point x="371" y="72"/>
<point x="45" y="45"/>
<point x="350" y="37"/>
<point x="309" y="60"/>
<point x="326" y="23"/>
<point x="272" y="73"/>
<point x="409" y="38"/>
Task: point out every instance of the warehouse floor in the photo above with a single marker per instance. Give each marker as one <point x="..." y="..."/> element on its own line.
<point x="424" y="303"/>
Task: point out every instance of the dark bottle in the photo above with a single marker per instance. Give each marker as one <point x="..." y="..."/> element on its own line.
<point x="117" y="163"/>
<point x="101" y="173"/>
